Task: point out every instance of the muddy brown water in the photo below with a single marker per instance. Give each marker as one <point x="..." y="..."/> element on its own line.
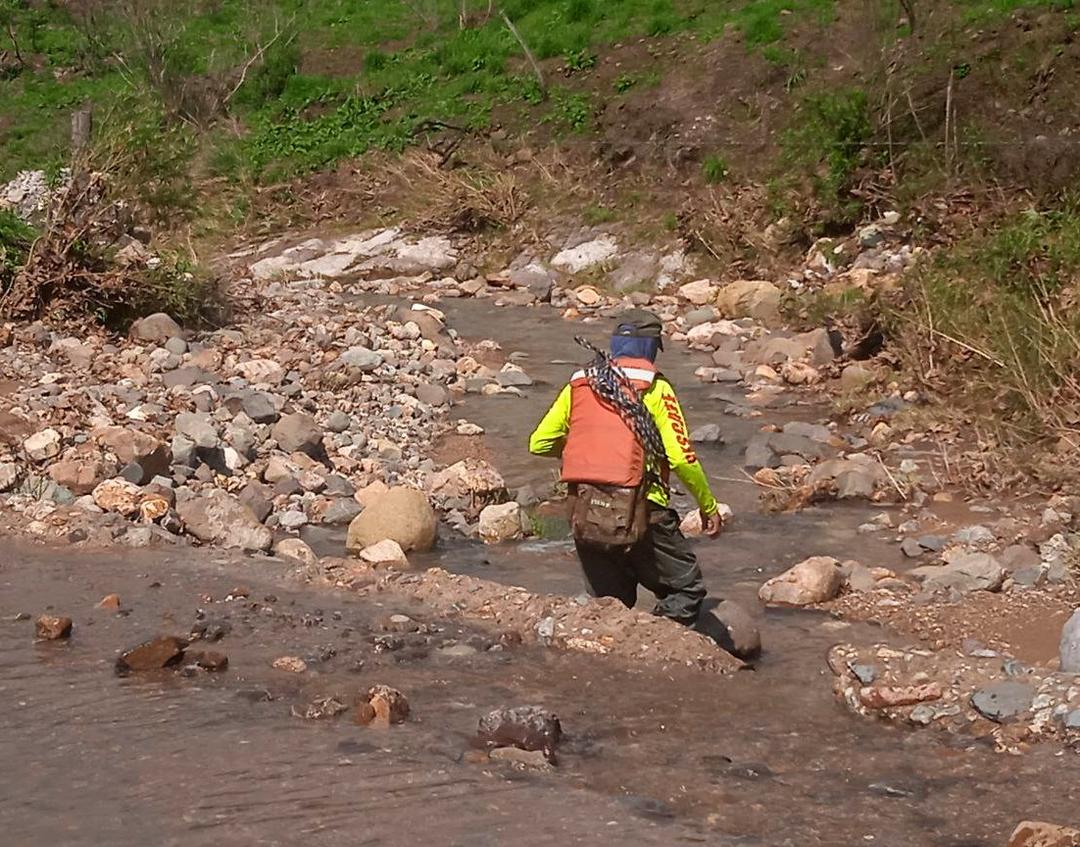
<point x="763" y="758"/>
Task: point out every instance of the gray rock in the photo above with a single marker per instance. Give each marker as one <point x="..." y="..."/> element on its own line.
<point x="1070" y="644"/>
<point x="866" y="674"/>
<point x="432" y="395"/>
<point x="260" y="407"/>
<point x="732" y="627"/>
<point x="1029" y="577"/>
<point x="219" y="518"/>
<point x="1072" y="719"/>
<point x="291" y="519"/>
<point x="338" y="422"/>
<point x="1019" y="556"/>
<point x="177" y="346"/>
<point x="911" y="548"/>
<point x="513" y="379"/>
<point x="536" y="278"/>
<point x="341" y="512"/>
<point x="184" y="451"/>
<point x="360" y="359"/>
<point x="338" y="486"/>
<point x="799" y="445"/>
<point x="759" y="454"/>
<point x="933" y="543"/>
<point x="188" y="377"/>
<point x="199" y="429"/>
<point x="156" y="329"/>
<point x="709" y="433"/>
<point x="1003" y="700"/>
<point x="524" y="727"/>
<point x="636" y="271"/>
<point x="256" y="497"/>
<point x="965" y="573"/>
<point x="974" y="536"/>
<point x="697" y="317"/>
<point x="299" y="433"/>
<point x="815" y="432"/>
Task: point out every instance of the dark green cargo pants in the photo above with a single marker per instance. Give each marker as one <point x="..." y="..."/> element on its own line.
<point x="663" y="562"/>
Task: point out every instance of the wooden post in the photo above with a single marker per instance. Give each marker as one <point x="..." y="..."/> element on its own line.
<point x="82" y="123"/>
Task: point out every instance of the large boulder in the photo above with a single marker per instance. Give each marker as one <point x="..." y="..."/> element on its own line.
<point x="402" y="514"/>
<point x="856" y="476"/>
<point x="750" y="298"/>
<point x="731" y="626"/>
<point x="700" y="292"/>
<point x="1070" y="644"/>
<point x="814" y="580"/>
<point x="219" y="518"/>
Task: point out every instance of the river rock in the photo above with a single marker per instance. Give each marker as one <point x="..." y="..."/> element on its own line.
<point x="1003" y="700"/>
<point x="360" y="359"/>
<point x="299" y="433"/>
<point x="500" y="523"/>
<point x="79" y="476"/>
<point x="700" y="292"/>
<point x="524" y="727"/>
<point x="707" y="434"/>
<point x="385" y="553"/>
<point x="1070" y="644"/>
<point x="965" y="573"/>
<point x="10" y="473"/>
<point x="161" y="652"/>
<point x="757" y="299"/>
<point x="857" y="476"/>
<point x="197" y="428"/>
<point x="52" y="628"/>
<point x="219" y="518"/>
<point x="156" y="329"/>
<point x="43" y="445"/>
<point x="297" y="550"/>
<point x="117" y="495"/>
<point x="261" y="407"/>
<point x="341" y="511"/>
<point x="262" y="371"/>
<point x="403" y="515"/>
<point x="857" y="376"/>
<point x="1038" y="834"/>
<point x="382" y="706"/>
<point x="471" y="478"/>
<point x="732" y="627"/>
<point x="814" y="580"/>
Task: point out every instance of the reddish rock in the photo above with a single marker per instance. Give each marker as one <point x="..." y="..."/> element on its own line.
<point x="1038" y="834"/>
<point x="890" y="696"/>
<point x="161" y="652"/>
<point x="79" y="476"/>
<point x="815" y="580"/>
<point x="381" y="707"/>
<point x="292" y="664"/>
<point x="524" y="727"/>
<point x="51" y="628"/>
<point x="110" y="602"/>
<point x="208" y="660"/>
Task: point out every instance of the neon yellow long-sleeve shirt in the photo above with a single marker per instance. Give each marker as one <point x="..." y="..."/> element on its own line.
<point x="660" y="400"/>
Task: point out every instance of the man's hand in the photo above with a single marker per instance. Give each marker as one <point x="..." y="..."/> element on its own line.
<point x="711" y="525"/>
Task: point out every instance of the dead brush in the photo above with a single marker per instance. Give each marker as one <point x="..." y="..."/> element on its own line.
<point x="727" y="223"/>
<point x="72" y="270"/>
<point x="460" y="200"/>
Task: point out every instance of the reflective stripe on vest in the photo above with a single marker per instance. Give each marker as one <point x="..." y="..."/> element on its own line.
<point x="634" y="374"/>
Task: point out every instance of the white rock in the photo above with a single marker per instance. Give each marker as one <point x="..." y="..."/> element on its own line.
<point x="386" y="553"/>
<point x="44" y="445"/>
<point x="700" y="292"/>
<point x="577" y="259"/>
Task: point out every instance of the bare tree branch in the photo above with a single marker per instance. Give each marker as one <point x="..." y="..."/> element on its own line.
<point x="528" y="53"/>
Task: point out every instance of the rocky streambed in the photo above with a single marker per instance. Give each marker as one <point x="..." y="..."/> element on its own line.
<point x="358" y="406"/>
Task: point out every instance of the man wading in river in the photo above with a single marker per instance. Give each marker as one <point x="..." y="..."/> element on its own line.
<point x="620" y="431"/>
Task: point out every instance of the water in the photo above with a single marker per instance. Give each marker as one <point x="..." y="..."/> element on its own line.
<point x="763" y="758"/>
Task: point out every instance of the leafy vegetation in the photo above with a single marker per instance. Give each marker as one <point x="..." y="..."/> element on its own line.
<point x="715" y="169"/>
<point x="1007" y="301"/>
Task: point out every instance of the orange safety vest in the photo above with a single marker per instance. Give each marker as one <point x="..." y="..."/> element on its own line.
<point x="600" y="448"/>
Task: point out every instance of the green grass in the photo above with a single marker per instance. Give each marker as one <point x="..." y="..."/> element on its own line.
<point x="417" y="67"/>
<point x="714" y="169"/>
<point x="1004" y="299"/>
